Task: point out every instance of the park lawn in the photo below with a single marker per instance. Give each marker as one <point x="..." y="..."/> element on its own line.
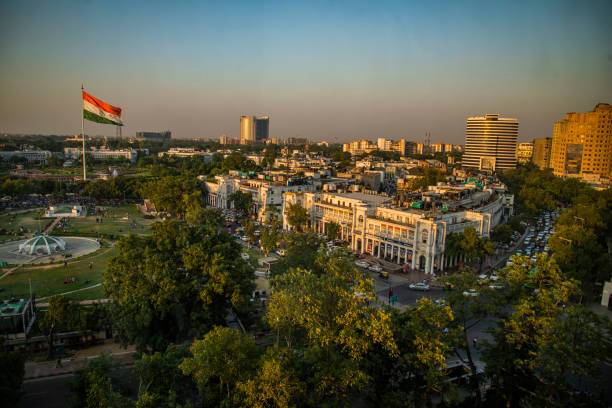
<point x="48" y="280"/>
<point x="116" y="221"/>
<point x="12" y="222"/>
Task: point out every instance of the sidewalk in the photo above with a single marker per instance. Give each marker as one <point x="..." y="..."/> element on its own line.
<point x="70" y="365"/>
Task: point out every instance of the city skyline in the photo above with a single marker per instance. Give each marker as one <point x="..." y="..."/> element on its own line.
<point x="322" y="71"/>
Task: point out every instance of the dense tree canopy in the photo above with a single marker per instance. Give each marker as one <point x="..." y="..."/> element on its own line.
<point x="175" y="284"/>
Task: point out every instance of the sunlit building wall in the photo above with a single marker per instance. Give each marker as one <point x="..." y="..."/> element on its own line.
<point x="491" y="143"/>
<point x="582" y="144"/>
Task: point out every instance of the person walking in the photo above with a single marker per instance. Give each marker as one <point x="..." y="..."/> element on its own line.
<point x="390" y="294"/>
<point x="58" y="363"/>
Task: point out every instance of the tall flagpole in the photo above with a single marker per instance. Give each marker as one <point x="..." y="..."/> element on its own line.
<point x="83" y="132"/>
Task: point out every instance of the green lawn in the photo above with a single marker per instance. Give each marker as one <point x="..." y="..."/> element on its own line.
<point x="49" y="280"/>
<point x="115" y="220"/>
<point x="13" y="222"/>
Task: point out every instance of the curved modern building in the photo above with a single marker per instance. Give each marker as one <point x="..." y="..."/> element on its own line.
<point x="254" y="129"/>
<point x="42" y="245"/>
<point x="490" y="143"/>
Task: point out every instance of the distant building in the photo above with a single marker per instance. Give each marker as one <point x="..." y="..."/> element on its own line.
<point x="29" y="155"/>
<point x="186" y="152"/>
<point x="491" y="143"/>
<point x="154" y="136"/>
<point x="541" y="152"/>
<point x="254" y="129"/>
<point x="358" y="147"/>
<point x="223" y="139"/>
<point x="582" y="144"/>
<point x="102" y="154"/>
<point x="524" y="152"/>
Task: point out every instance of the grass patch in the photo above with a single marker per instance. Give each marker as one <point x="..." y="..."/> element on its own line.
<point x="27" y="220"/>
<point x="48" y="280"/>
<point x="120" y="220"/>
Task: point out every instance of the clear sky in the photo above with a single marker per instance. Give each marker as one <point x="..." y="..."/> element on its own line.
<point x="325" y="70"/>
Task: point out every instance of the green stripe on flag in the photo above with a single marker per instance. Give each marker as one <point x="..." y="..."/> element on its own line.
<point x="98" y="119"/>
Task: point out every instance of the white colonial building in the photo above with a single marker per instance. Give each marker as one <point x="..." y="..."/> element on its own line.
<point x="413" y="235"/>
<point x="267" y="194"/>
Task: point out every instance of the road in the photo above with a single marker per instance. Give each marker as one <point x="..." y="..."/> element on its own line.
<point x="48" y="392"/>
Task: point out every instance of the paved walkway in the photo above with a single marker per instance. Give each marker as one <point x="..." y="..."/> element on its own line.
<point x="52" y="225"/>
<point x="50" y="368"/>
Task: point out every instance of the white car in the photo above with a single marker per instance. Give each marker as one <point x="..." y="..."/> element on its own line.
<point x="419" y="286"/>
<point x="244" y="238"/>
<point x="494" y="278"/>
<point x="245" y="256"/>
<point x="362" y="264"/>
<point x="375" y="268"/>
<point x="471" y="292"/>
<point x="281" y="252"/>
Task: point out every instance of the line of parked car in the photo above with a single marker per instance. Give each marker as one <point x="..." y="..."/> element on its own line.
<point x="536" y="241"/>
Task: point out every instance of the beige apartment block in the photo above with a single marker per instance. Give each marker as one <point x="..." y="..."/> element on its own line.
<point x="582" y="144"/>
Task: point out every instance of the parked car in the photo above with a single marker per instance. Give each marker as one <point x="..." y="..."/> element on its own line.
<point x="375" y="268"/>
<point x="471" y="292"/>
<point x="245" y="256"/>
<point x="419" y="286"/>
<point x="362" y="264"/>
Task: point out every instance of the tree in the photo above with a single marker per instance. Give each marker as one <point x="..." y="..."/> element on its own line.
<point x="270" y="155"/>
<point x="431" y="347"/>
<point x="12" y="371"/>
<point x="332" y="230"/>
<point x="302" y="252"/>
<point x="243" y="202"/>
<point x="275" y="384"/>
<point x="161" y="382"/>
<point x="468" y="311"/>
<point x="502" y="233"/>
<point x="97" y="385"/>
<point x="270" y="233"/>
<point x="223" y="356"/>
<point x="469" y="245"/>
<point x="540" y="337"/>
<point x="297" y="216"/>
<point x="249" y="231"/>
<point x="168" y="193"/>
<point x="430" y="177"/>
<point x="175" y="284"/>
<point x="339" y="327"/>
<point x="61" y="312"/>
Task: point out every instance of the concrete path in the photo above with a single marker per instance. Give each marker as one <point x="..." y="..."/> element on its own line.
<point x="52" y="225"/>
<point x="50" y="368"/>
<point x="72" y="291"/>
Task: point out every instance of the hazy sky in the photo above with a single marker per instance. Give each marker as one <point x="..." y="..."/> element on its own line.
<point x="325" y="70"/>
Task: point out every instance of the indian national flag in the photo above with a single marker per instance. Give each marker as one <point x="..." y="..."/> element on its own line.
<point x="101" y="112"/>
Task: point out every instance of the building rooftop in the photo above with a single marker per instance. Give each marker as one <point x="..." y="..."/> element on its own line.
<point x="369" y="198"/>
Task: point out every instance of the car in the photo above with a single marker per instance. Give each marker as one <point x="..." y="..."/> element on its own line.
<point x="471" y="292"/>
<point x="419" y="286"/>
<point x="245" y="256"/>
<point x="383" y="274"/>
<point x="362" y="264"/>
<point x="281" y="252"/>
<point x="494" y="277"/>
<point x="244" y="238"/>
<point x="483" y="277"/>
<point x="496" y="286"/>
<point x="375" y="268"/>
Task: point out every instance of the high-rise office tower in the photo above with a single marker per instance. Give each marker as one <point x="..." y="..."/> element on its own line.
<point x="247" y="129"/>
<point x="490" y="143"/>
<point x="541" y="152"/>
<point x="254" y="129"/>
<point x="582" y="144"/>
<point x="223" y="139"/>
<point x="262" y="128"/>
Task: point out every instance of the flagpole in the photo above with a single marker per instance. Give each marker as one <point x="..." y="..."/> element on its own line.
<point x="83" y="132"/>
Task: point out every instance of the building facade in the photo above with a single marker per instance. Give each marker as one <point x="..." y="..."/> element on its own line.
<point x="524" y="152"/>
<point x="254" y="129"/>
<point x="29" y="155"/>
<point x="490" y="143"/>
<point x="267" y="195"/>
<point x="541" y="152"/>
<point x="158" y="136"/>
<point x="582" y="144"/>
<point x="407" y="236"/>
